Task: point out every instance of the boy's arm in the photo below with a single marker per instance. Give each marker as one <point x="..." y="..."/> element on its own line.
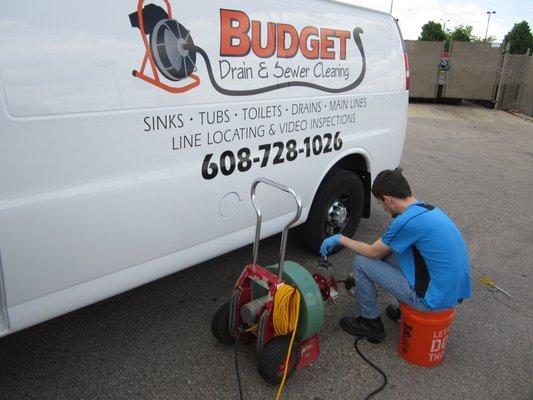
<point x="375" y="250"/>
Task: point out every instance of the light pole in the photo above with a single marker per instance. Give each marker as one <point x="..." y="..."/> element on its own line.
<point x="444" y="23"/>
<point x="391" y="3"/>
<point x="488" y="22"/>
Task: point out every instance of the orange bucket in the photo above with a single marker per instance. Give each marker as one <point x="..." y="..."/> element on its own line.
<point x="423" y="335"/>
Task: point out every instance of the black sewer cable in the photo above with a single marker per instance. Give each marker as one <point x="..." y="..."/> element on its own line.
<point x="236" y="359"/>
<point x="379" y="389"/>
<point x="231" y="92"/>
<point x="371" y="394"/>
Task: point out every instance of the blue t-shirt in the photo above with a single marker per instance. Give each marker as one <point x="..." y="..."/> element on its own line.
<point x="432" y="255"/>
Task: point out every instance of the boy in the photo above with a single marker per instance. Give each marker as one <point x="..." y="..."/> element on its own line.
<point x="428" y="269"/>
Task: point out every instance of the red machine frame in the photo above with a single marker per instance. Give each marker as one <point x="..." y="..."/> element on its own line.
<point x="242" y="293"/>
<point x="309" y="348"/>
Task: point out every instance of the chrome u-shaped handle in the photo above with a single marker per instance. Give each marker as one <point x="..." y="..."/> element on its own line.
<point x="285" y="233"/>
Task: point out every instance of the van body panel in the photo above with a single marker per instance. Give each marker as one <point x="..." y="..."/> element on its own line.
<point x="104" y="183"/>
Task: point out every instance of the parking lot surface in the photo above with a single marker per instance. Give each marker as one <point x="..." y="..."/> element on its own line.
<point x="154" y="342"/>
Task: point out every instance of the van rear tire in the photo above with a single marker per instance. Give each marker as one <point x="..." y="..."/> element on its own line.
<point x="340" y="193"/>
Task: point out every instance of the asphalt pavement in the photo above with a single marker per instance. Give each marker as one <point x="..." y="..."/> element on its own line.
<point x="154" y="342"/>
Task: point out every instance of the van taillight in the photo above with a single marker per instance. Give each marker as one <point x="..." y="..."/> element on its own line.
<point x="407" y="79"/>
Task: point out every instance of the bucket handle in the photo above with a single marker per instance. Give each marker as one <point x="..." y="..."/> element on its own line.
<point x="285" y="233"/>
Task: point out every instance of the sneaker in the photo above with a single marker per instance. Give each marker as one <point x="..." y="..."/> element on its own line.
<point x="393" y="312"/>
<point x="371" y="328"/>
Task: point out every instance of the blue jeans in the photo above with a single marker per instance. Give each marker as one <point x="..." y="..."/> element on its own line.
<point x="387" y="274"/>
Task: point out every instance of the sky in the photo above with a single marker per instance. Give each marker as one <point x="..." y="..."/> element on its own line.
<point x="412" y="14"/>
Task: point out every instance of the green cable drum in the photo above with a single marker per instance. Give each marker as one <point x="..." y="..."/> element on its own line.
<point x="311" y="303"/>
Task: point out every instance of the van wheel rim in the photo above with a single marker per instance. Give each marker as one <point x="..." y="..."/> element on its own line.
<point x="338" y="215"/>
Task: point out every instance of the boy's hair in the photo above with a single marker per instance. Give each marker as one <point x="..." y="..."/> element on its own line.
<point x="391" y="183"/>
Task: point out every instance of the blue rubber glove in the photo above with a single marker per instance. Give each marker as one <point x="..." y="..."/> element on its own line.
<point x="329" y="244"/>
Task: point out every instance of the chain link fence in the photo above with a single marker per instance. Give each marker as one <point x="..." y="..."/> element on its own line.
<point x="525" y="92"/>
<point x="512" y="77"/>
<point x="474" y="71"/>
<point x="424" y="58"/>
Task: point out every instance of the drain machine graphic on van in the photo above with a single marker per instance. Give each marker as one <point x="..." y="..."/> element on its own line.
<point x="170" y="50"/>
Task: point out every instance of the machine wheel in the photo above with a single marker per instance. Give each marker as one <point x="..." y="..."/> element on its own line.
<point x="272" y="359"/>
<point x="336" y="208"/>
<point x="220" y="324"/>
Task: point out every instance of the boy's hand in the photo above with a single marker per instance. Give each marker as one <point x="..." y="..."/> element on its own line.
<point x="329" y="244"/>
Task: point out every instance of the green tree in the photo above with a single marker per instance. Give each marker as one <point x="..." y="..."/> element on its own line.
<point x="490" y="39"/>
<point x="462" y="33"/>
<point x="432" y="31"/>
<point x="520" y="38"/>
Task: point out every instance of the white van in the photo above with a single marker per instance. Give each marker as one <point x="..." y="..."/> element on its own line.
<point x="131" y="132"/>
